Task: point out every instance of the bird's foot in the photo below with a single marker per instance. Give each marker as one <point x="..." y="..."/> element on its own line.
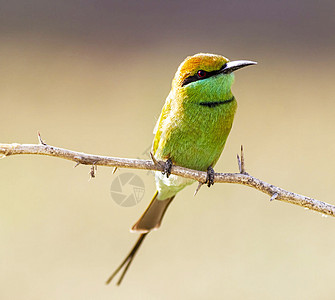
<point x="210" y="176"/>
<point x="167" y="168"/>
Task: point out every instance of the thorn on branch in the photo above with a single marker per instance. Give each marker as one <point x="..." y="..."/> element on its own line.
<point x="240" y="161"/>
<point x="114" y="170"/>
<point x="77" y="164"/>
<point x="157" y="163"/>
<point x="154" y="160"/>
<point x="40" y="139"/>
<point x="198" y="188"/>
<point x="274" y="196"/>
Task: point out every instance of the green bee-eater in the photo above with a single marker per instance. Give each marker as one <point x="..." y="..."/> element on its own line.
<point x="191" y="132"/>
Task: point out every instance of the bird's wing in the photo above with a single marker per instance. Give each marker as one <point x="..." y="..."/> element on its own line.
<point x="159" y="128"/>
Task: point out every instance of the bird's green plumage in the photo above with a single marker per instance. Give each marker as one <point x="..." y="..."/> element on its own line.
<point x="193" y="135"/>
<point x="195" y="121"/>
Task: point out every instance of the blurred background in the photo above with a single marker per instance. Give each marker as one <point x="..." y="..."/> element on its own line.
<point x="92" y="76"/>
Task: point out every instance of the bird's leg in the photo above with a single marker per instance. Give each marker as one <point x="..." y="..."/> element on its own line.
<point x="127" y="261"/>
<point x="210" y="176"/>
<point x="167" y="168"/>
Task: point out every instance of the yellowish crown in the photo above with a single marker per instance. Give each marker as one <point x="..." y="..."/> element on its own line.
<point x="201" y="61"/>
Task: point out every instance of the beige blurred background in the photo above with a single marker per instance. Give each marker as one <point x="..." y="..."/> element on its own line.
<point x="92" y="76"/>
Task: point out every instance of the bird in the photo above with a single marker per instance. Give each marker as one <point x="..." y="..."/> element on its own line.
<point x="190" y="132"/>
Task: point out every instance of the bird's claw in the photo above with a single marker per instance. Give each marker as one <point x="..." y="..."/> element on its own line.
<point x="167" y="168"/>
<point x="210" y="176"/>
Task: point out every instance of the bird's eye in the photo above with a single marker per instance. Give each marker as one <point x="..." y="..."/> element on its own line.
<point x="201" y="73"/>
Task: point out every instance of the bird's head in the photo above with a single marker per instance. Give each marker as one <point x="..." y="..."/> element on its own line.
<point x="206" y="75"/>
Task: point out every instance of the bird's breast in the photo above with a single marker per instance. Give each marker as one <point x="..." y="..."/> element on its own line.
<point x="197" y="136"/>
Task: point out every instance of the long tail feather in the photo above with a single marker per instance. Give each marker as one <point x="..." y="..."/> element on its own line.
<point x="153" y="215"/>
<point x="127" y="261"/>
<point x="151" y="219"/>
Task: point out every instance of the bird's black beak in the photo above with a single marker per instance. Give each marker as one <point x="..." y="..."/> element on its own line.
<point x="232" y="66"/>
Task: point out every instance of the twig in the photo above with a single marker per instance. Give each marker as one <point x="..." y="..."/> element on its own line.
<point x="238" y="178"/>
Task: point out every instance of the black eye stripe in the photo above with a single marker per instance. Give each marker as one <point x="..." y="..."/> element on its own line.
<point x="195" y="77"/>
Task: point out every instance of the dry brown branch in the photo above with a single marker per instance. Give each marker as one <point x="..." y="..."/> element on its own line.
<point x="243" y="178"/>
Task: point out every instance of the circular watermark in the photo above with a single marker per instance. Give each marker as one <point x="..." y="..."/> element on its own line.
<point x="127" y="189"/>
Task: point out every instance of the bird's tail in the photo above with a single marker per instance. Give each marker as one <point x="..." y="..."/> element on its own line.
<point x="150" y="220"/>
<point x="153" y="215"/>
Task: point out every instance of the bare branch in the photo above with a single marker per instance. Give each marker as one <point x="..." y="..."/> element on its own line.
<point x="274" y="192"/>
